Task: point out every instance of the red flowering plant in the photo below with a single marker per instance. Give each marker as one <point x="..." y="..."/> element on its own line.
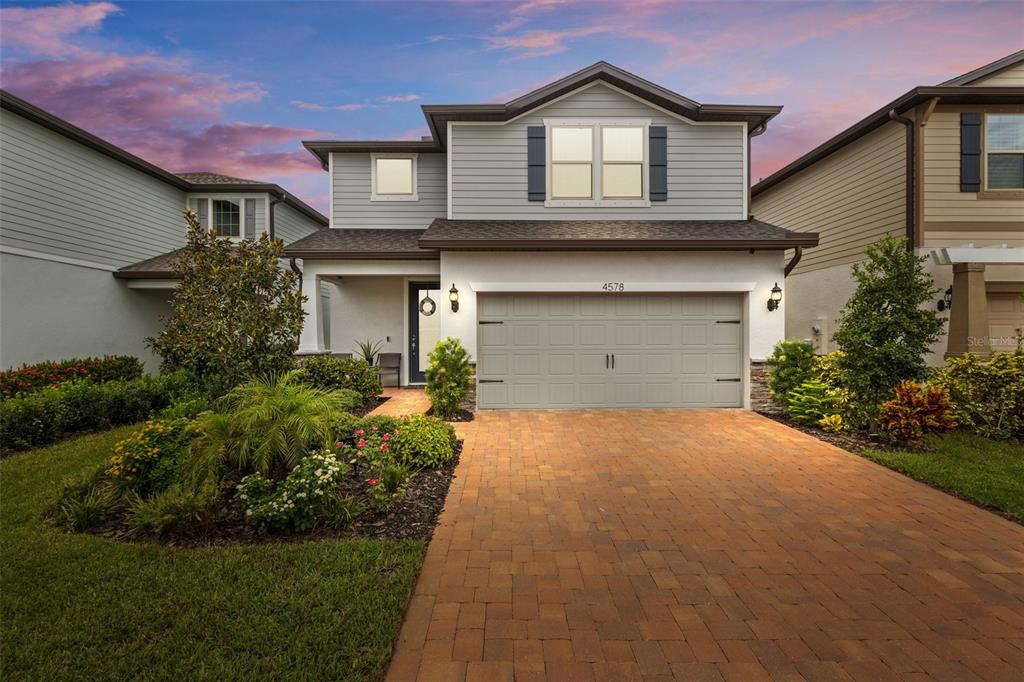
<point x="366" y="446"/>
<point x="29" y="378"/>
<point x="917" y="410"/>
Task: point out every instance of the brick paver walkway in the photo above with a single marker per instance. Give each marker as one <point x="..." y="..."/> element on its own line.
<point x="403" y="401"/>
<point x="699" y="544"/>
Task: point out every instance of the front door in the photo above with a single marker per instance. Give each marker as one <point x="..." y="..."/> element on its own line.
<point x="424" y="325"/>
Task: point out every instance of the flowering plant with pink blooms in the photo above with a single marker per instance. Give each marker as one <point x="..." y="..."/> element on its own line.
<point x="365" y="446"/>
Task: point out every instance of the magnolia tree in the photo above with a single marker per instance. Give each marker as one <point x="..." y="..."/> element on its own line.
<point x="237" y="313"/>
<point x="888" y="325"/>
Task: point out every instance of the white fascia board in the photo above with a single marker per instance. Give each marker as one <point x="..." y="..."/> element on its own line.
<point x="626" y="287"/>
<point x="988" y="255"/>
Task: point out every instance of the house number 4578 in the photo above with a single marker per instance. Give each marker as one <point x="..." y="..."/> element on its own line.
<point x="613" y="286"/>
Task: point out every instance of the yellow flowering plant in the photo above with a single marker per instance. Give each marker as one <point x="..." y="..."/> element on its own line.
<point x="147" y="460"/>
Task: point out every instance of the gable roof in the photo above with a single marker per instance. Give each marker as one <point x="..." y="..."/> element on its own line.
<point x="947" y="94"/>
<point x="989" y="69"/>
<point x="188" y="182"/>
<point x="438" y="115"/>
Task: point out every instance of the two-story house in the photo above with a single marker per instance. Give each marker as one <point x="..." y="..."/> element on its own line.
<point x="588" y="243"/>
<point x="88" y="234"/>
<point x="942" y="166"/>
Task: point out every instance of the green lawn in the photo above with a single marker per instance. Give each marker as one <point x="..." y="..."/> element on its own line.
<point x="81" y="607"/>
<point x="989" y="473"/>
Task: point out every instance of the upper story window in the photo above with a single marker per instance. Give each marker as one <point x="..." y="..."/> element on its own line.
<point x="226" y="217"/>
<point x="1004" y="151"/>
<point x="598" y="162"/>
<point x="393" y="177"/>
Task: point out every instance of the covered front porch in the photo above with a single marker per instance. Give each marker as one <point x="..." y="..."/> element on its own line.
<point x="371" y="284"/>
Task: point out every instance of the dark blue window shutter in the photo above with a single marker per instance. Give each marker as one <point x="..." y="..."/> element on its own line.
<point x="970" y="152"/>
<point x="658" y="163"/>
<point x="250" y="219"/>
<point x="536" y="165"/>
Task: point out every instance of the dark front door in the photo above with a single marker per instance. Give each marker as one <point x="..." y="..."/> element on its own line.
<point x="424" y="325"/>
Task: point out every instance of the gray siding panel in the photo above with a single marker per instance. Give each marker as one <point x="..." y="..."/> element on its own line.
<point x="705" y="179"/>
<point x="60" y="198"/>
<point x="290" y="225"/>
<point x="351" y="188"/>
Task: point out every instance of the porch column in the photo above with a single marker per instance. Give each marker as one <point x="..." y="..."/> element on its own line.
<point x="968" y="318"/>
<point x="311" y="340"/>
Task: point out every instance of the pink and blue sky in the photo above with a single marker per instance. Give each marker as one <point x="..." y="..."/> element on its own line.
<point x="233" y="87"/>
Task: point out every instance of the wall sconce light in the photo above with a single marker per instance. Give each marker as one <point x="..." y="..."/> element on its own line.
<point x="775" y="297"/>
<point x="946" y="302"/>
<point x="453" y="296"/>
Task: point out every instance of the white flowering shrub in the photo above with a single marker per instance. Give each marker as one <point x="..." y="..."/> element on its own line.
<point x="292" y="505"/>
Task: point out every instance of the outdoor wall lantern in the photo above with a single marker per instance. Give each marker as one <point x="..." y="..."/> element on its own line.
<point x="453" y="296"/>
<point x="946" y="302"/>
<point x="775" y="297"/>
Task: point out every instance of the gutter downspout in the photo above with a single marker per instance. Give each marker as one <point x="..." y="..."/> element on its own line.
<point x="293" y="264"/>
<point x="759" y="129"/>
<point x="910" y="212"/>
<point x="798" y="253"/>
<point x="270" y="219"/>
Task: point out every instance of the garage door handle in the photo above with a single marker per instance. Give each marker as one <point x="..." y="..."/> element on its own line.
<point x="736" y="379"/>
<point x="727" y="321"/>
<point x="492" y="322"/>
<point x="606" y="361"/>
<point x="492" y="381"/>
<point x="613" y="360"/>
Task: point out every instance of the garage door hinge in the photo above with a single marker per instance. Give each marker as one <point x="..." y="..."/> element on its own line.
<point x="491" y="322"/>
<point x="736" y="379"/>
<point x="492" y="381"/>
<point x="727" y="321"/>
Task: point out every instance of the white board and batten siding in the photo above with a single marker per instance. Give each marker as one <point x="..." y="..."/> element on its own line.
<point x="64" y="200"/>
<point x="352" y="207"/>
<point x="706" y="165"/>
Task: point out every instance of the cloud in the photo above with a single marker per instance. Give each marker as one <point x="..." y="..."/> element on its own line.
<point x="398" y="99"/>
<point x="313" y="106"/>
<point x="308" y="106"/>
<point x="543" y="43"/>
<point x="45" y="30"/>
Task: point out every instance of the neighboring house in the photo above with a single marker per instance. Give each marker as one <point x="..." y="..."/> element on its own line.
<point x="957" y="151"/>
<point x="88" y="233"/>
<point x="588" y="242"/>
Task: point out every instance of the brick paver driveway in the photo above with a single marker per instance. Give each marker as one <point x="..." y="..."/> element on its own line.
<point x="700" y="544"/>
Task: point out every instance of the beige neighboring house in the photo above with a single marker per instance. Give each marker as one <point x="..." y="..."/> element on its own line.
<point x="957" y="151"/>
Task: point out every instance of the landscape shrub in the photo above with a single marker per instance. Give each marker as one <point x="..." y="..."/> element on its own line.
<point x="28" y="378"/>
<point x="269" y="425"/>
<point x="917" y="410"/>
<point x="292" y="505"/>
<point x="832" y="422"/>
<point x="45" y="416"/>
<point x="887" y="327"/>
<point x="812" y="400"/>
<point x="147" y="460"/>
<point x="422" y="441"/>
<point x="327" y="372"/>
<point x="449" y="377"/>
<point x="828" y="371"/>
<point x="791" y="363"/>
<point x="367" y="445"/>
<point x="184" y="508"/>
<point x="85" y="502"/>
<point x="987" y="395"/>
<point x="387" y="487"/>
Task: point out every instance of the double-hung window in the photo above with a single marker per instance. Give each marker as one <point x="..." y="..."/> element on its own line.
<point x="598" y="162"/>
<point x="1004" y="151"/>
<point x="393" y="177"/>
<point x="226" y="217"/>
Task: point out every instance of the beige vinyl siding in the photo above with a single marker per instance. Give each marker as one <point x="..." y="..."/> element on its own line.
<point x="350" y="185"/>
<point x="63" y="199"/>
<point x="851" y="198"/>
<point x="291" y="225"/>
<point x="943" y="200"/>
<point x="706" y="179"/>
<point x="1013" y="76"/>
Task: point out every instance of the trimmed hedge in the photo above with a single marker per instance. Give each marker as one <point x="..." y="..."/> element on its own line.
<point x="332" y="373"/>
<point x="49" y="414"/>
<point x="29" y="378"/>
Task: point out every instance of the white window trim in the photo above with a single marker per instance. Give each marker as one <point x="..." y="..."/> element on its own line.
<point x="596" y="170"/>
<point x="415" y="196"/>
<point x="240" y="198"/>
<point x="985" y="152"/>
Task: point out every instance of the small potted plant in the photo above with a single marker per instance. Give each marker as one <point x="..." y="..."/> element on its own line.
<point x="368" y="350"/>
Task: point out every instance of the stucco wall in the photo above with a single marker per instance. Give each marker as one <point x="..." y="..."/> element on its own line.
<point x="368" y="308"/>
<point x="764" y="269"/>
<point x="54" y="311"/>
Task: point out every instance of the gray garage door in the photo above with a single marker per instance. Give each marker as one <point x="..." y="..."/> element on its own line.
<point x="609" y="350"/>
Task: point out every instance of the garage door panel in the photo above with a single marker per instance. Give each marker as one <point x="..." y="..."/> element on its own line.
<point x="554" y="350"/>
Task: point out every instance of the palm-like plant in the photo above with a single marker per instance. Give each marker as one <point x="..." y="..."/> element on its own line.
<point x="268" y="425"/>
<point x="368" y="350"/>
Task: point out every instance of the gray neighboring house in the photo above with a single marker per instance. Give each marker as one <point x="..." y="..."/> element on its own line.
<point x="88" y="233"/>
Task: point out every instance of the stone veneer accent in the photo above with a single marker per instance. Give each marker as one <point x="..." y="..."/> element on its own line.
<point x="760" y="399"/>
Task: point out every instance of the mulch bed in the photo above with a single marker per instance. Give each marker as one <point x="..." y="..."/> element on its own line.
<point x="460" y="416"/>
<point x="366" y="409"/>
<point x="851" y="441"/>
<point x="414" y="517"/>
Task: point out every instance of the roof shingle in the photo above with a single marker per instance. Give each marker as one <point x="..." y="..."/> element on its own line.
<point x="361" y="243"/>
